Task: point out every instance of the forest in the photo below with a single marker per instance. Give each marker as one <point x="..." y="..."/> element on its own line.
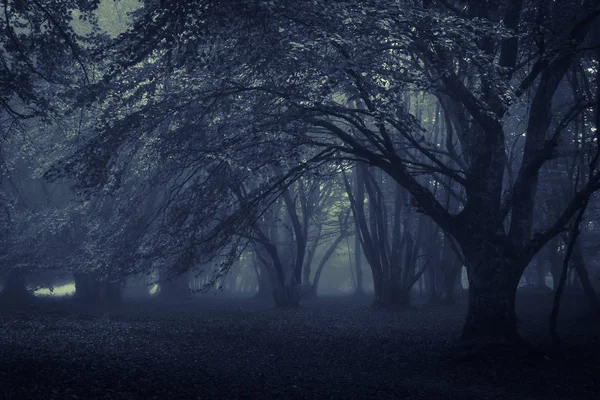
<point x="299" y="199"/>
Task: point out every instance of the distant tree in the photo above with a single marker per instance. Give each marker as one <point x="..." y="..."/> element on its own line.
<point x="287" y="236"/>
<point x="388" y="238"/>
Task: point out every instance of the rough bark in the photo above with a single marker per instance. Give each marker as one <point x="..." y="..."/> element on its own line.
<point x="494" y="272"/>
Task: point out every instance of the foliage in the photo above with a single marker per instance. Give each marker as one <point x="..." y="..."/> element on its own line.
<point x="215" y="109"/>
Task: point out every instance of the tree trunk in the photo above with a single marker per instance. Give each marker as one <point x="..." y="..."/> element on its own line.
<point x="584" y="278"/>
<point x="86" y="288"/>
<point x="15" y="290"/>
<point x="263" y="282"/>
<point x="555" y="270"/>
<point x="90" y="290"/>
<point x="491" y="312"/>
<point x="330" y="250"/>
<point x="112" y="292"/>
<point x="392" y="296"/>
<point x="493" y="281"/>
<point x="287" y="296"/>
<point x="540" y="269"/>
<point x="451" y="279"/>
<point x="433" y="296"/>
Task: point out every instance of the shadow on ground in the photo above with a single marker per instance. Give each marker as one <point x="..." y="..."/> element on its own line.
<point x="328" y="348"/>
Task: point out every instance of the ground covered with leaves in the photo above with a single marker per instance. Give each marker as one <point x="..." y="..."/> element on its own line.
<point x="328" y="348"/>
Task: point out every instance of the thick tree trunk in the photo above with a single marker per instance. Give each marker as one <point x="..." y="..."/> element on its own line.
<point x="112" y="292"/>
<point x="287" y="296"/>
<point x="390" y="295"/>
<point x="90" y="290"/>
<point x="14" y="290"/>
<point x="86" y="288"/>
<point x="492" y="289"/>
<point x="494" y="270"/>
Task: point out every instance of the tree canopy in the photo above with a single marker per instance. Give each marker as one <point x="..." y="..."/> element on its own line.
<point x="213" y="109"/>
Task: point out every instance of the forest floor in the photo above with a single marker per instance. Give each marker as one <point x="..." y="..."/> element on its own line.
<point x="328" y="348"/>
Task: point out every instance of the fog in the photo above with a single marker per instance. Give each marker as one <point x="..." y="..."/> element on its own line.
<point x="284" y="199"/>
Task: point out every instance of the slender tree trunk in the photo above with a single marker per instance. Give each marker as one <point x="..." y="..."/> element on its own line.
<point x="263" y="282"/>
<point x="570" y="243"/>
<point x="555" y="269"/>
<point x="451" y="279"/>
<point x="330" y="250"/>
<point x="358" y="290"/>
<point x="431" y="289"/>
<point x="540" y="269"/>
<point x="579" y="264"/>
<point x="451" y="268"/>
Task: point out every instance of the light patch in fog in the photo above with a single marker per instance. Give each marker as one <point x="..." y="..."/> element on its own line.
<point x="59" y="291"/>
<point x="464" y="278"/>
<point x="153" y="289"/>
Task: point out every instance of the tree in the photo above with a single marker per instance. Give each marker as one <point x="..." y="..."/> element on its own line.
<point x="287" y="235"/>
<point x="386" y="235"/>
<point x="329" y="82"/>
<point x="32" y="93"/>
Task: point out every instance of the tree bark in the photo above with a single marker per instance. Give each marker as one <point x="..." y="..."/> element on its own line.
<point x="14" y="290"/>
<point x="358" y="290"/>
<point x="262" y="279"/>
<point x="90" y="290"/>
<point x="451" y="278"/>
<point x="540" y="269"/>
<point x="86" y="288"/>
<point x="287" y="295"/>
<point x="392" y="296"/>
<point x="493" y="280"/>
<point x="584" y="278"/>
<point x="433" y="296"/>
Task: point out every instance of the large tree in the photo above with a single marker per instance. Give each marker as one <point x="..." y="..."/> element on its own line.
<point x="250" y="83"/>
